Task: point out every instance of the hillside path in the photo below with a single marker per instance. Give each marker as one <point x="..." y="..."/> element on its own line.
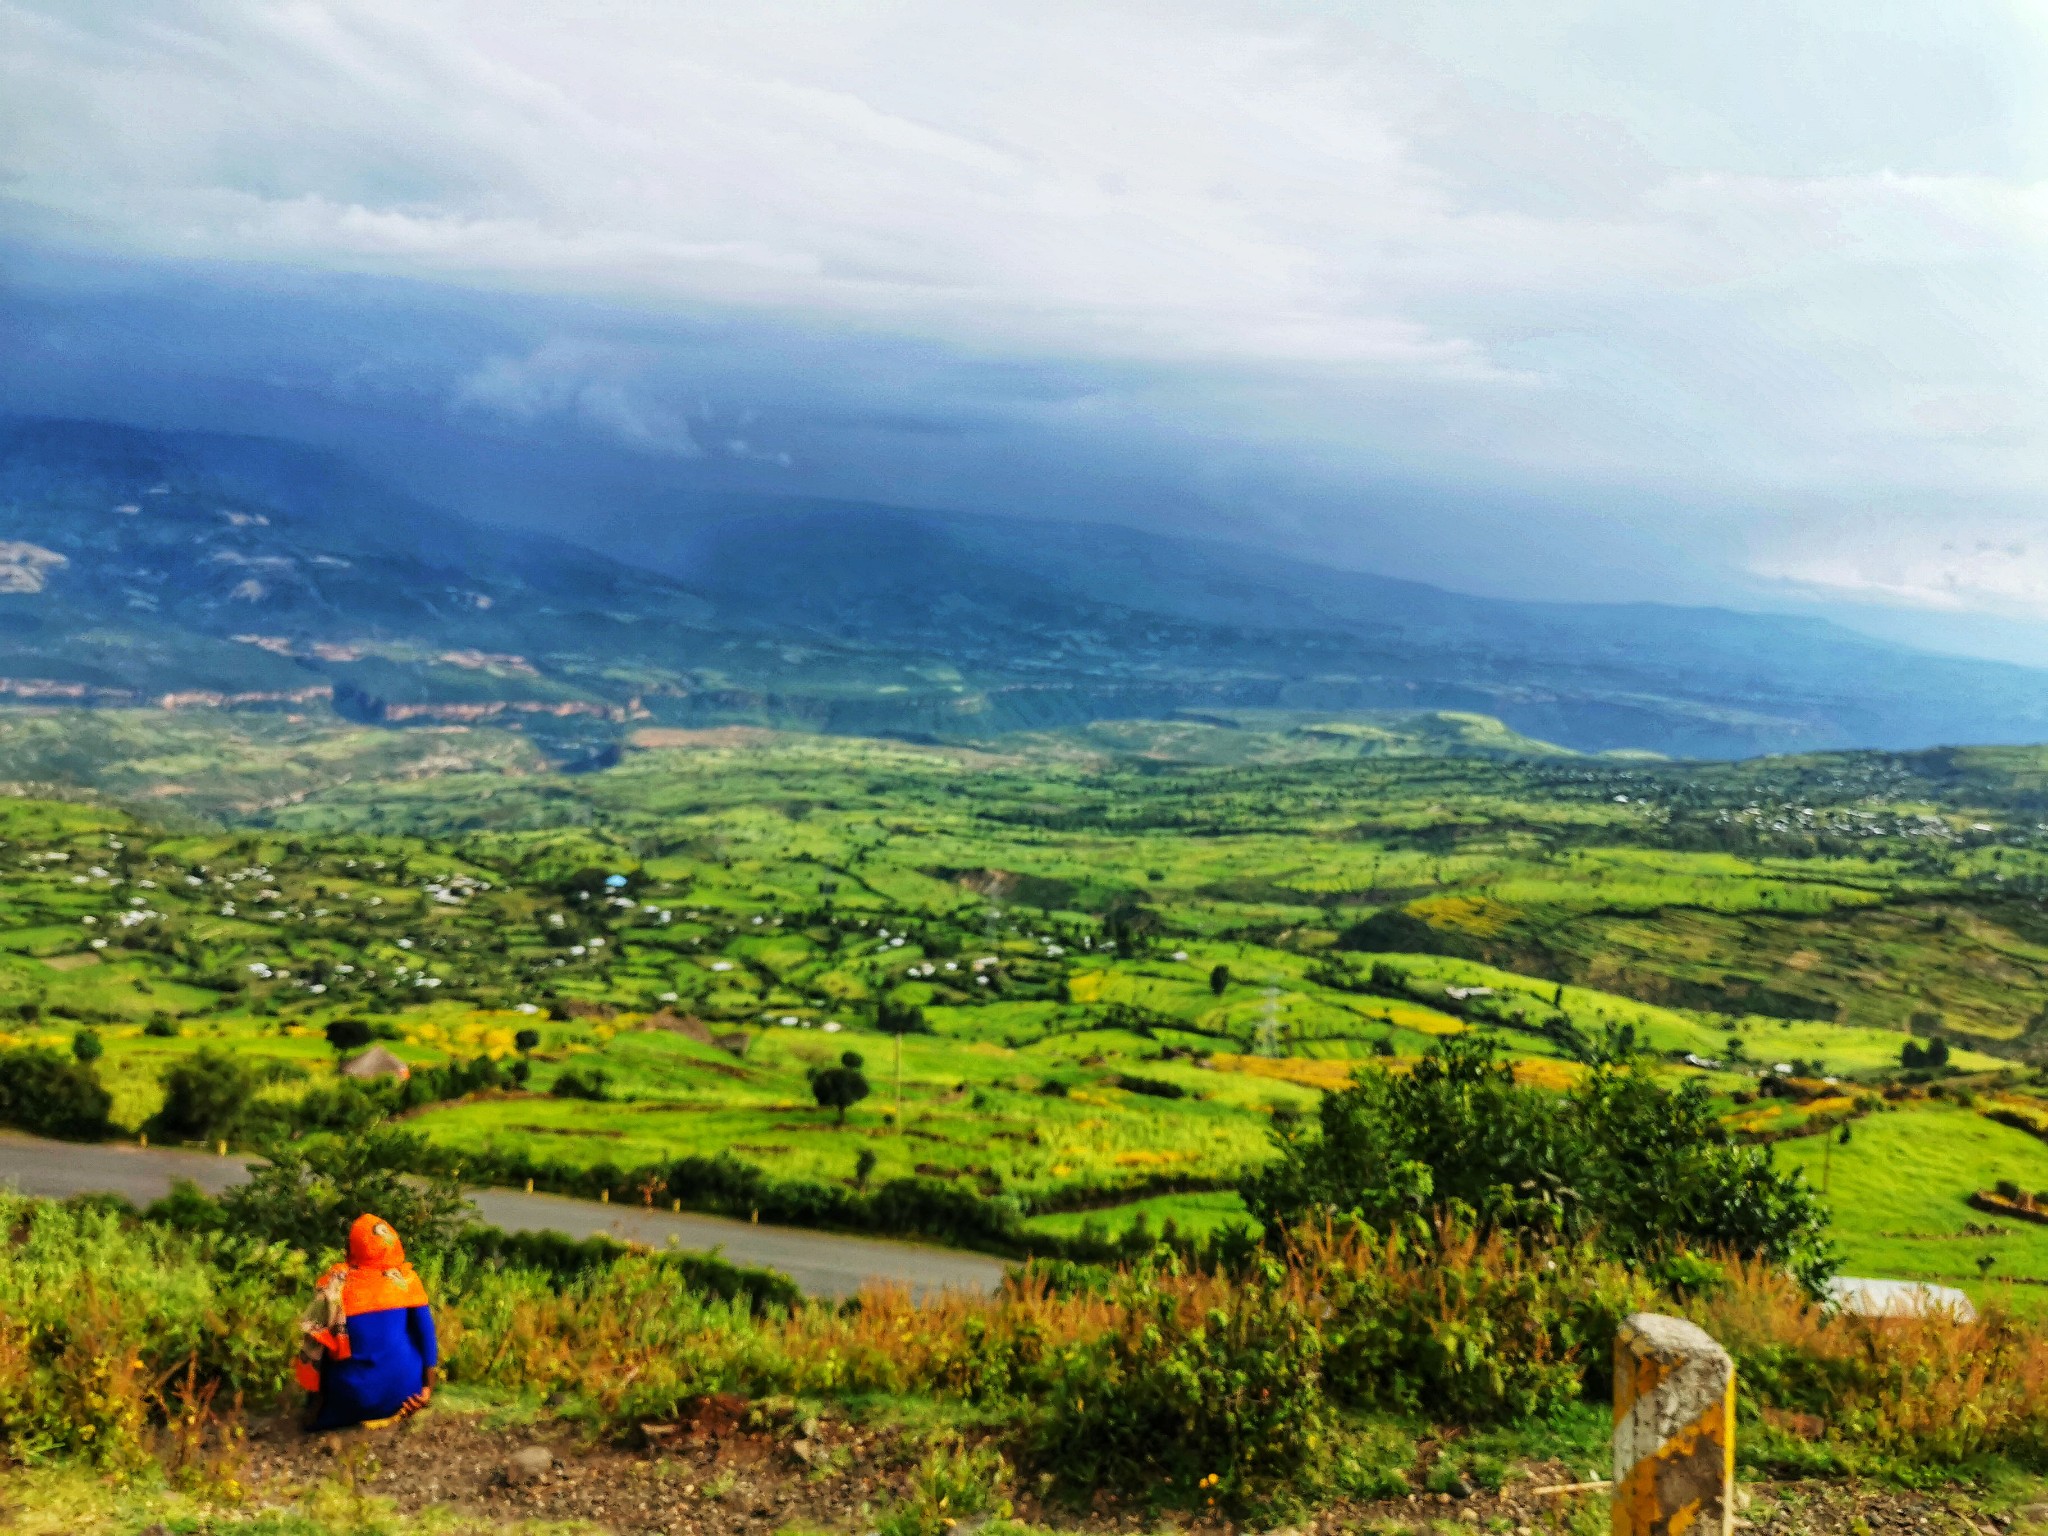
<point x="822" y="1263"/>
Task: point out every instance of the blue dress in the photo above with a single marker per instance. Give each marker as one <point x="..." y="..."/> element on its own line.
<point x="390" y="1352"/>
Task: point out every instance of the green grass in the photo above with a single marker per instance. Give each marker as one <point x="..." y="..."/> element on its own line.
<point x="1798" y="911"/>
<point x="1899" y="1191"/>
<point x="1194" y="1215"/>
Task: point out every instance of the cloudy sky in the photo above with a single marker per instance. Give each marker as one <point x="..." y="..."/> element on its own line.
<point x="1741" y="301"/>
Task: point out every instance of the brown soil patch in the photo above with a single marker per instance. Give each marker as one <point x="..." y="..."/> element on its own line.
<point x="730" y="1468"/>
<point x="653" y="737"/>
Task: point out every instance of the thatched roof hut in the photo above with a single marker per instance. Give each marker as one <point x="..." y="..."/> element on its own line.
<point x="376" y="1062"/>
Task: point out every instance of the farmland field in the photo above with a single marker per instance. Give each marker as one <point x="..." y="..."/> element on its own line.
<point x="1128" y="948"/>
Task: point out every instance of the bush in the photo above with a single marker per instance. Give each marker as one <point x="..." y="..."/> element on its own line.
<point x="1157" y="1088"/>
<point x="1463" y="1328"/>
<point x="306" y="1193"/>
<point x="207" y="1097"/>
<point x="1213" y="1393"/>
<point x="594" y="1085"/>
<point x="48" y="1095"/>
<point x="1644" y="1166"/>
<point x="894" y="1018"/>
<point x="952" y="1483"/>
<point x="87" y="1047"/>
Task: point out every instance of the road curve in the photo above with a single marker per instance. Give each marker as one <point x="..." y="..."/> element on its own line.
<point x="822" y="1263"/>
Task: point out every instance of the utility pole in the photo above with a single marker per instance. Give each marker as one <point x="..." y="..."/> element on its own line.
<point x="1267" y="1041"/>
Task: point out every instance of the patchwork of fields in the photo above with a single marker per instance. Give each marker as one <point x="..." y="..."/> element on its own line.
<point x="1128" y="965"/>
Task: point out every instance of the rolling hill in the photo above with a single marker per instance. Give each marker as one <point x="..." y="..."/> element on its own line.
<point x="201" y="570"/>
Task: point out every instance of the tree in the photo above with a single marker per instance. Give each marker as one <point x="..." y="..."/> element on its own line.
<point x="851" y="1059"/>
<point x="526" y="1041"/>
<point x="206" y="1095"/>
<point x="1219" y="979"/>
<point x="864" y="1168"/>
<point x="1620" y="1158"/>
<point x="45" y="1094"/>
<point x="87" y="1047"/>
<point x="307" y="1193"/>
<point x="839" y="1088"/>
<point x="346" y="1035"/>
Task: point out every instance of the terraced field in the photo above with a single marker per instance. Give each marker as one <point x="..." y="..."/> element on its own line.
<point x="1127" y="965"/>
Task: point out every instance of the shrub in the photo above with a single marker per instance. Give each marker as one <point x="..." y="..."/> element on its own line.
<point x="207" y="1097"/>
<point x="1462" y="1327"/>
<point x="87" y="1047"/>
<point x="98" y="1314"/>
<point x="1644" y="1166"/>
<point x="1215" y="1393"/>
<point x="48" y="1095"/>
<point x="1157" y="1088"/>
<point x="594" y="1085"/>
<point x="305" y="1194"/>
<point x="161" y="1027"/>
<point x="952" y="1483"/>
<point x="894" y="1018"/>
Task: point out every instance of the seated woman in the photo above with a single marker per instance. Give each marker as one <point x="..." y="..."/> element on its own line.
<point x="368" y="1351"/>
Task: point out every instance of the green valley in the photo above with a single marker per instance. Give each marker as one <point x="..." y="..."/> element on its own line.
<point x="1121" y="960"/>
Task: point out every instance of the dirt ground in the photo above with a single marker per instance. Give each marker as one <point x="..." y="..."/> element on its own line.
<point x="720" y="1475"/>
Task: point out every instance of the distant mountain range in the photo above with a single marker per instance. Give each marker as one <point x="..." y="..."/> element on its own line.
<point x="211" y="571"/>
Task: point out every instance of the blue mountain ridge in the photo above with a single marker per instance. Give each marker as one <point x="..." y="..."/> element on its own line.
<point x="248" y="572"/>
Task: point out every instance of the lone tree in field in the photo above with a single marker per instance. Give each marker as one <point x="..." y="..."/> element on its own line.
<point x="526" y="1040"/>
<point x="347" y="1035"/>
<point x="1219" y="978"/>
<point x="839" y="1088"/>
<point x="86" y="1047"/>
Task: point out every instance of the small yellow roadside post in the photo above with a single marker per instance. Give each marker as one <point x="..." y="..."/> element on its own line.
<point x="1674" y="1430"/>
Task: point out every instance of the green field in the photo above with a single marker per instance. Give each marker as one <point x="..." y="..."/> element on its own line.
<point x="1060" y="907"/>
<point x="1898" y="1189"/>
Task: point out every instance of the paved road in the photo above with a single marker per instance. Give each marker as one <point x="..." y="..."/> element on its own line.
<point x="823" y="1263"/>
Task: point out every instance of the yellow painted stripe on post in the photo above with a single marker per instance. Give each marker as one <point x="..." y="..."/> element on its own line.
<point x="1674" y="1430"/>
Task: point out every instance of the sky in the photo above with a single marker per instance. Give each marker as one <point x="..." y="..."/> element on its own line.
<point x="1734" y="302"/>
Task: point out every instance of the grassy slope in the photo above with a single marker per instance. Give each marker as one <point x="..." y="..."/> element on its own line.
<point x="742" y="842"/>
<point x="1899" y="1191"/>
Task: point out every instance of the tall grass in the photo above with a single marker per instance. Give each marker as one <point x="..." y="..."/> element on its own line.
<point x="1246" y="1388"/>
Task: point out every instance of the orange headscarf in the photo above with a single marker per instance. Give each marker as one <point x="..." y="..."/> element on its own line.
<point x="377" y="1277"/>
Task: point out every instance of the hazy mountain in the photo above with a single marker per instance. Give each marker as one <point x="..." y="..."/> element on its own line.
<point x="243" y="572"/>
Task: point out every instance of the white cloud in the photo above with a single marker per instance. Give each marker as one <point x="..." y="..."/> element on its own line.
<point x="589" y="383"/>
<point x="1758" y="253"/>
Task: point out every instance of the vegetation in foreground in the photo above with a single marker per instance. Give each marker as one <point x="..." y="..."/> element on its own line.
<point x="1326" y="1368"/>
